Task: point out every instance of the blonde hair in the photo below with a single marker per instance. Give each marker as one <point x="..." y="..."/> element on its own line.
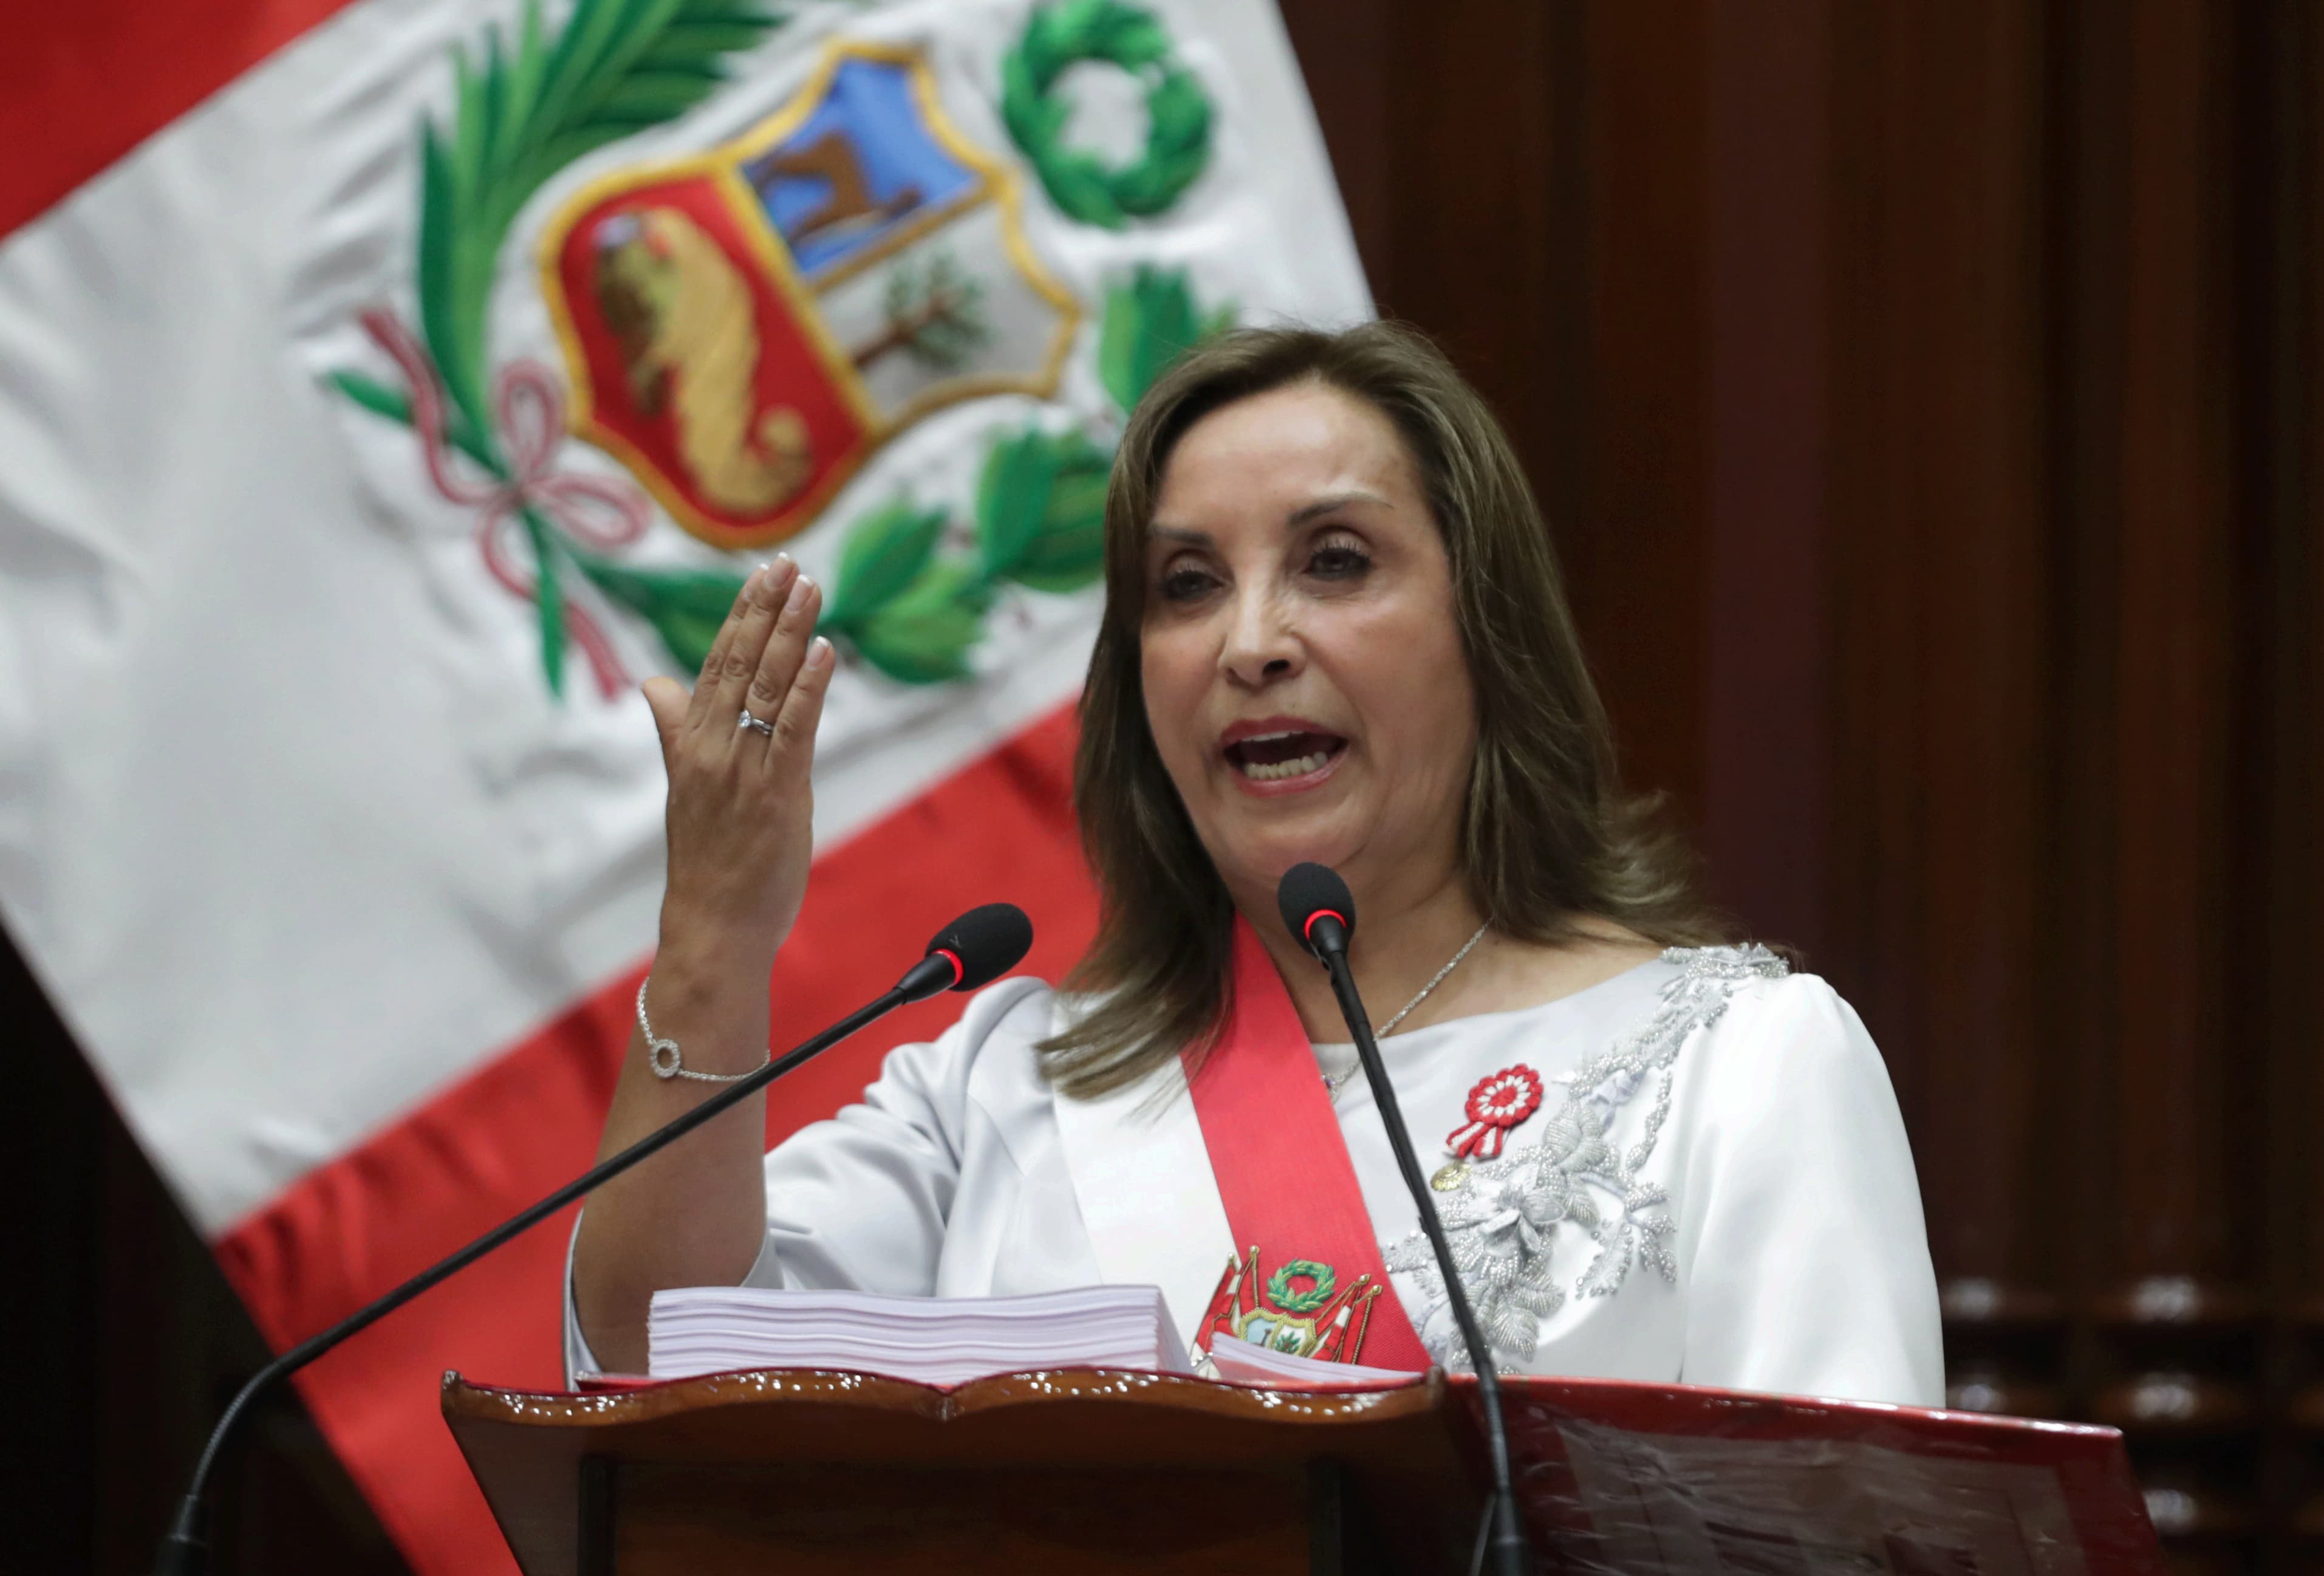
<point x="1548" y="839"/>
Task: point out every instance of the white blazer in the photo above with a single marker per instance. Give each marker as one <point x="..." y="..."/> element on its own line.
<point x="1716" y="1189"/>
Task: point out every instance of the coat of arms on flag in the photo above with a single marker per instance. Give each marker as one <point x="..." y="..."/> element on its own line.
<point x="743" y="327"/>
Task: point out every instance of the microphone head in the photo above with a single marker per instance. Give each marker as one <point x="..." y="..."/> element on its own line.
<point x="1308" y="891"/>
<point x="985" y="943"/>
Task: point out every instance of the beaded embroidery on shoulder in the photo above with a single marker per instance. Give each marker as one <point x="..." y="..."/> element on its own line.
<point x="1503" y="1219"/>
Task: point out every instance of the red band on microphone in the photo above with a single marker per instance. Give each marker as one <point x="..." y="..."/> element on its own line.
<point x="1308" y="931"/>
<point x="951" y="957"/>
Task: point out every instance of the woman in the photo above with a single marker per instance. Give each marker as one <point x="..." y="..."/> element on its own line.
<point x="1333" y="631"/>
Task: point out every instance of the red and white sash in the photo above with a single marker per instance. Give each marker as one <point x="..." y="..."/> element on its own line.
<point x="1250" y="1177"/>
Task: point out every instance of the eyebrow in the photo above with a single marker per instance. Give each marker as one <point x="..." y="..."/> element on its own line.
<point x="1297" y="517"/>
<point x="1302" y="515"/>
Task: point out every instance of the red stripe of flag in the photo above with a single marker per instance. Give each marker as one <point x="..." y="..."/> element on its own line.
<point x="1001" y="830"/>
<point x="89" y="79"/>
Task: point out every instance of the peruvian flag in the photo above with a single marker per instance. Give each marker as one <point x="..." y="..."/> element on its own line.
<point x="386" y="387"/>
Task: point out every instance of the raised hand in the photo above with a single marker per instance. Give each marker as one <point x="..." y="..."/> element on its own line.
<point x="741" y="818"/>
<point x="741" y="803"/>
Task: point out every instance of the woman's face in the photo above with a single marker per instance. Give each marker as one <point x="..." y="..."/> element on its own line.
<point x="1303" y="675"/>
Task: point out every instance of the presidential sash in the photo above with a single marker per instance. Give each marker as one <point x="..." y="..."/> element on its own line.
<point x="1305" y="1277"/>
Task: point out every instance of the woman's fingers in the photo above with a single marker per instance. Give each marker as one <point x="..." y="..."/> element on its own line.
<point x="728" y="677"/>
<point x="667" y="698"/>
<point x="793" y="745"/>
<point x="704" y="691"/>
<point x="785" y="650"/>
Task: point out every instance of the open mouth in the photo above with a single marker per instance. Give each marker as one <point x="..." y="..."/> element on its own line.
<point x="1273" y="757"/>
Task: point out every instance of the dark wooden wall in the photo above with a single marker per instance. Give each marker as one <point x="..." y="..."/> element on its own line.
<point x="1926" y="398"/>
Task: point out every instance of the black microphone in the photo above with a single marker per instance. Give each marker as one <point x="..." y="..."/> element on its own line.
<point x="1318" y="908"/>
<point x="973" y="951"/>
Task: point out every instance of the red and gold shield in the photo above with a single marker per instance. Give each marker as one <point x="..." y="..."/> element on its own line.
<point x="745" y="327"/>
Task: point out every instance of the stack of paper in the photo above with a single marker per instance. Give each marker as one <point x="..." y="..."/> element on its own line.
<point x="1243" y="1363"/>
<point x="934" y="1340"/>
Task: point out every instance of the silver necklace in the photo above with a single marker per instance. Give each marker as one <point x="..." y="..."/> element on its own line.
<point x="1335" y="1081"/>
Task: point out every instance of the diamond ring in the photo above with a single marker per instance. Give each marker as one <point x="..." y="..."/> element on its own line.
<point x="761" y="723"/>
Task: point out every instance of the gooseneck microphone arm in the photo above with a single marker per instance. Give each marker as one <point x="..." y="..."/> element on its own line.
<point x="1321" y="911"/>
<point x="183" y="1549"/>
<point x="966" y="955"/>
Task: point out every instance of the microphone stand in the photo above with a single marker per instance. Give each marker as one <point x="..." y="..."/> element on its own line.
<point x="1504" y="1535"/>
<point x="185" y="1551"/>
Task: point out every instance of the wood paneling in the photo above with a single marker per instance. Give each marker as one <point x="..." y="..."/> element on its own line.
<point x="2174" y="711"/>
<point x="1938" y="578"/>
<point x="2288" y="671"/>
<point x="1642" y="400"/>
<point x="1767" y="681"/>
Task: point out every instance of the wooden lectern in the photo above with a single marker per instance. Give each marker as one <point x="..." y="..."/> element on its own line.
<point x="1083" y="1472"/>
<point x="1093" y="1473"/>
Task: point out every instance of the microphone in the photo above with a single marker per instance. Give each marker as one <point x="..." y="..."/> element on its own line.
<point x="1318" y="908"/>
<point x="971" y="952"/>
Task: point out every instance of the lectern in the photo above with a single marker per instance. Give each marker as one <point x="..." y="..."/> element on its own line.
<point x="1094" y="1473"/>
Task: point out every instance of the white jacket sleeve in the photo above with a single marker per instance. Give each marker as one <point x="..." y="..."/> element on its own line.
<point x="860" y="1203"/>
<point x="1799" y="1234"/>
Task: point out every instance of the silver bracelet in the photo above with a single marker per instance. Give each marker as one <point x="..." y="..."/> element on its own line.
<point x="662" y="1055"/>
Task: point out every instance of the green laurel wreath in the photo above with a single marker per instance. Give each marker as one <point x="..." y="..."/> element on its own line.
<point x="1178" y="115"/>
<point x="615" y="68"/>
<point x="1318" y="1293"/>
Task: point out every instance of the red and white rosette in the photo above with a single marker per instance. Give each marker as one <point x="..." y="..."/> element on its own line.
<point x="1497" y="1104"/>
